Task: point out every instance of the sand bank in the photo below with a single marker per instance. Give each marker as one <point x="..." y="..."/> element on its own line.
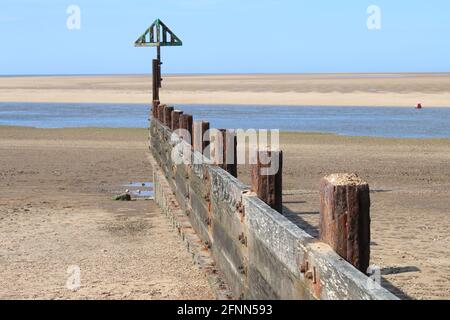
<point x="397" y="90"/>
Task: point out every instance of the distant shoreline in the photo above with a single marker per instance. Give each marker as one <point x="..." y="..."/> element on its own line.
<point x="237" y="105"/>
<point x="446" y="73"/>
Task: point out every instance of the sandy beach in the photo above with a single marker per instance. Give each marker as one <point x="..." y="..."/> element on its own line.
<point x="396" y="90"/>
<point x="57" y="212"/>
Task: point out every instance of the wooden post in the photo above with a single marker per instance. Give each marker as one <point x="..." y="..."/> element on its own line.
<point x="168" y="116"/>
<point x="186" y="123"/>
<point x="155" y="109"/>
<point x="267" y="182"/>
<point x="201" y="128"/>
<point x="156" y="81"/>
<point x="229" y="152"/>
<point x="161" y="112"/>
<point x="176" y="115"/>
<point x="345" y="217"/>
<point x="216" y="146"/>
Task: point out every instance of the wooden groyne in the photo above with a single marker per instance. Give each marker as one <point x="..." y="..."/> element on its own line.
<point x="259" y="252"/>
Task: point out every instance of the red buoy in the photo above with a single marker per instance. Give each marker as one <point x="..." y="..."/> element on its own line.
<point x="419" y="106"/>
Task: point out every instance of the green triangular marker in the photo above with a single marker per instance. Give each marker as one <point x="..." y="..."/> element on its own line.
<point x="158" y="35"/>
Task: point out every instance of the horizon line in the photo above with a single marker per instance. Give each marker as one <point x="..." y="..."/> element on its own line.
<point x="211" y="73"/>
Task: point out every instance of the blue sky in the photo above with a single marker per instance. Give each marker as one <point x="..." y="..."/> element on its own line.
<point x="226" y="36"/>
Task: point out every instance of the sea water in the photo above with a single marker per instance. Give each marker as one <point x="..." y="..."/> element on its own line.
<point x="353" y="121"/>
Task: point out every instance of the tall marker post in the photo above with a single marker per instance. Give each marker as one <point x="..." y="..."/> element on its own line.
<point x="158" y="35"/>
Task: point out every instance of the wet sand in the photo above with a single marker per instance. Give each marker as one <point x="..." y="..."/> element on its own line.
<point x="56" y="210"/>
<point x="396" y="90"/>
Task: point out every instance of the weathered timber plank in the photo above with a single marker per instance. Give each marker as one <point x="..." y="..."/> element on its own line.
<point x="200" y="217"/>
<point x="229" y="261"/>
<point x="266" y="273"/>
<point x="334" y="277"/>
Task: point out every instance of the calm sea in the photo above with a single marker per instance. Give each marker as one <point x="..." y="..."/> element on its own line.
<point x="353" y="121"/>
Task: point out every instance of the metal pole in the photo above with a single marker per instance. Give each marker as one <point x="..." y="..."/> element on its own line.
<point x="155" y="80"/>
<point x="159" y="66"/>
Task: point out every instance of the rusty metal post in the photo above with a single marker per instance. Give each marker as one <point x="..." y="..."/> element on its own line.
<point x="156" y="81"/>
<point x="168" y="116"/>
<point x="176" y="115"/>
<point x="186" y="122"/>
<point x="159" y="76"/>
<point x="201" y="140"/>
<point x="267" y="178"/>
<point x="345" y="217"/>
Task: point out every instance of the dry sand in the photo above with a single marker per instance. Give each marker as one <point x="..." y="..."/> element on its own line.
<point x="56" y="210"/>
<point x="403" y="90"/>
